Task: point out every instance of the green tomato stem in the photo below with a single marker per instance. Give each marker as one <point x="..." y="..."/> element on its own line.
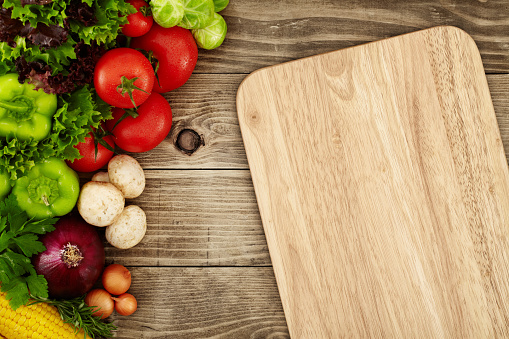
<point x="127" y="86"/>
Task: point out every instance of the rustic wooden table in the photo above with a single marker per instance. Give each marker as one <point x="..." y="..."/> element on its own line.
<point x="203" y="269"/>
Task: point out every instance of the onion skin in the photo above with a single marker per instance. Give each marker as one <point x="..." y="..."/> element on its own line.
<point x="116" y="279"/>
<point x="64" y="281"/>
<point x="125" y="304"/>
<point x="101" y="301"/>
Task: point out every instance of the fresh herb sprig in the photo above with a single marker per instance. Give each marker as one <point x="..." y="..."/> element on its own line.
<point x="76" y="313"/>
<point x="18" y="242"/>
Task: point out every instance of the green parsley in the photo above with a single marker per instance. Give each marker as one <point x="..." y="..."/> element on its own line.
<point x="18" y="242"/>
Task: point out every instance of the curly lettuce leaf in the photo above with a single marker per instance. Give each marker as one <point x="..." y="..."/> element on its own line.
<point x="45" y="36"/>
<point x="81" y="11"/>
<point x="9" y="27"/>
<point x="52" y="13"/>
<point x="56" y="58"/>
<point x="111" y="15"/>
<point x="6" y="64"/>
<point x="18" y="157"/>
<point x="78" y="112"/>
<point x="78" y="73"/>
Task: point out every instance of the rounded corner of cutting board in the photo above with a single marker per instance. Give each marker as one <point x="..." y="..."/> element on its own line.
<point x="454" y="30"/>
<point x="244" y="87"/>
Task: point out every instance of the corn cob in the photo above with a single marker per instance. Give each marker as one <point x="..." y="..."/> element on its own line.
<point x="36" y="321"/>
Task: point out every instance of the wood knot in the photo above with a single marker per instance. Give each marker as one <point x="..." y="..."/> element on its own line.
<point x="188" y="141"/>
<point x="254" y="117"/>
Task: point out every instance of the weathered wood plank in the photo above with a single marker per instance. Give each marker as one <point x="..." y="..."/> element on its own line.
<point x="206" y="104"/>
<point x="269" y="32"/>
<point x="198" y="218"/>
<point x="499" y="88"/>
<point x="221" y="303"/>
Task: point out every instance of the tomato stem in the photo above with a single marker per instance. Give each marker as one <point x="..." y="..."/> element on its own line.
<point x="98" y="139"/>
<point x="153" y="61"/>
<point x="127" y="86"/>
<point x="146" y="10"/>
<point x="128" y="112"/>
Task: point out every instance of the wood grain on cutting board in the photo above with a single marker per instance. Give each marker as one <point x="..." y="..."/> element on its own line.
<point x="383" y="189"/>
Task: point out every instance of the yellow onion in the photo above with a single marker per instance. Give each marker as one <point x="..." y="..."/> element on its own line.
<point x="125" y="304"/>
<point x="116" y="279"/>
<point x="101" y="301"/>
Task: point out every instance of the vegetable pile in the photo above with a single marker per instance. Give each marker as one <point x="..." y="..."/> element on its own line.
<point x="81" y="81"/>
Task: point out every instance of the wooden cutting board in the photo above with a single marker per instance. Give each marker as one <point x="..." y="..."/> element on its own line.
<point x="383" y="189"/>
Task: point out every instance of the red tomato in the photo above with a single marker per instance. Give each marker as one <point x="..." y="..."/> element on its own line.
<point x="139" y="24"/>
<point x="122" y="72"/>
<point x="147" y="130"/>
<point x="176" y="52"/>
<point x="89" y="162"/>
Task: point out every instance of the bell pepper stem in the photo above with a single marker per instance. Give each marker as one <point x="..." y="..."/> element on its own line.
<point x="16" y="106"/>
<point x="45" y="200"/>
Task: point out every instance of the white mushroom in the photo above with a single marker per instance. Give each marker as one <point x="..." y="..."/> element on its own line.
<point x="101" y="176"/>
<point x="100" y="203"/>
<point x="127" y="175"/>
<point x="128" y="230"/>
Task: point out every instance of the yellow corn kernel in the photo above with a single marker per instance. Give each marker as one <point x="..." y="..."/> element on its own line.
<point x="35" y="321"/>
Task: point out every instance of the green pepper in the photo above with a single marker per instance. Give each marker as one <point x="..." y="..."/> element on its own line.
<point x="25" y="113"/>
<point x="49" y="189"/>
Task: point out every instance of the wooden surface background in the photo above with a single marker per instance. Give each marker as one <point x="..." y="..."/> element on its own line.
<point x="203" y="269"/>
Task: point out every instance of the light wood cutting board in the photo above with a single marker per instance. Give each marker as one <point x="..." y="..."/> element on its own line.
<point x="383" y="189"/>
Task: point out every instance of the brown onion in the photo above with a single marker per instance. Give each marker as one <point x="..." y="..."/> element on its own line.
<point x="101" y="301"/>
<point x="125" y="304"/>
<point x="116" y="279"/>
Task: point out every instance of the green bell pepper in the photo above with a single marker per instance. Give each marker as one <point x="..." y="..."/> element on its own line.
<point x="25" y="113"/>
<point x="49" y="189"/>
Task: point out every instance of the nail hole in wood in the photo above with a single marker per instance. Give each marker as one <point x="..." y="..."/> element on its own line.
<point x="188" y="141"/>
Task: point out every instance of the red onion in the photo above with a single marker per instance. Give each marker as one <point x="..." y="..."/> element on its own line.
<point x="73" y="260"/>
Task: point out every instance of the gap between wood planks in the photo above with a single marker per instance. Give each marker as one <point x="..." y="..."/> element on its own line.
<point x="198" y="266"/>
